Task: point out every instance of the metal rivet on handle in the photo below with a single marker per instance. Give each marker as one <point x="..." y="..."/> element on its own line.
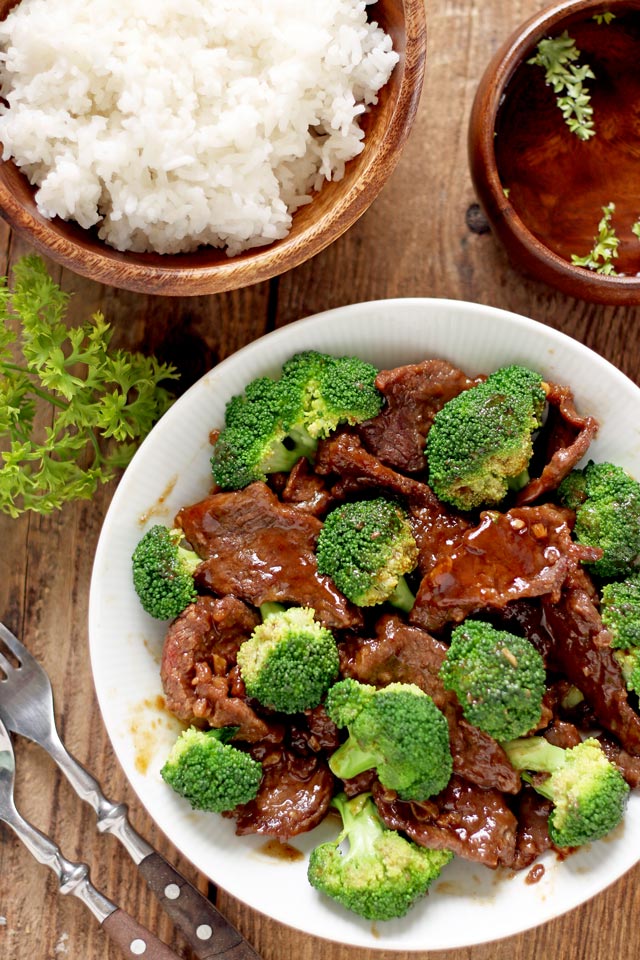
<point x="204" y="932"/>
<point x="138" y="947"/>
<point x="172" y="891"/>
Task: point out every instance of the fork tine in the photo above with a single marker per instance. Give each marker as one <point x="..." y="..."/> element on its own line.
<point x="6" y="666"/>
<point x="18" y="649"/>
<point x="26" y="708"/>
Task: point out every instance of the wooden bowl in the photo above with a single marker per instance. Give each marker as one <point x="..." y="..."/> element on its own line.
<point x="315" y="226"/>
<point x="542" y="187"/>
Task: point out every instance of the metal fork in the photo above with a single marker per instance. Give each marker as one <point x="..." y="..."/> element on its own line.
<point x="133" y="938"/>
<point x="26" y="707"/>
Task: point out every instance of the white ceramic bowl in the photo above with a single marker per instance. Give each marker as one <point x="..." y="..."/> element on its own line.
<point x="172" y="469"/>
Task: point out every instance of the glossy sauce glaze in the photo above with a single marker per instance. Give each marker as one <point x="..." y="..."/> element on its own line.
<point x="519" y="566"/>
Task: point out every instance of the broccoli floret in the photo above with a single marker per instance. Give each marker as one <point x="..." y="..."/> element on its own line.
<point x="366" y="547"/>
<point x="480" y="443"/>
<point x="346" y="699"/>
<point x="629" y="661"/>
<point x="163" y="573"/>
<point x="589" y="794"/>
<point x="211" y="773"/>
<point x="398" y="730"/>
<point x="289" y="661"/>
<point x="572" y="698"/>
<point x="620" y="610"/>
<point x="335" y="390"/>
<point x="382" y="874"/>
<point x="573" y="489"/>
<point x="275" y="422"/>
<point x="498" y="678"/>
<point x="263" y="434"/>
<point x="606" y="500"/>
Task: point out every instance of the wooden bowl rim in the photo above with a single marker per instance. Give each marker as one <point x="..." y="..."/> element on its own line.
<point x="526" y="249"/>
<point x="113" y="267"/>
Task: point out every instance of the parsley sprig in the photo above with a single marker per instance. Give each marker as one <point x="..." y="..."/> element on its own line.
<point x="558" y="56"/>
<point x="72" y="411"/>
<point x="605" y="246"/>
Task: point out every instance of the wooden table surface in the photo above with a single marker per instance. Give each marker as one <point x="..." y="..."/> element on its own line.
<point x="420" y="238"/>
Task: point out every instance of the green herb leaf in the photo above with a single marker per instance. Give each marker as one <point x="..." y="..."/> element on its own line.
<point x="86" y="392"/>
<point x="605" y="246"/>
<point x="604" y="17"/>
<point x="558" y="56"/>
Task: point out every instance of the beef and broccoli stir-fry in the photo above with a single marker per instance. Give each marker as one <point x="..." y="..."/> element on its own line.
<point x="404" y="600"/>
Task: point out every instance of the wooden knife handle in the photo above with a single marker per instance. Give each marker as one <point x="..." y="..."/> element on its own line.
<point x="134" y="940"/>
<point x="208" y="933"/>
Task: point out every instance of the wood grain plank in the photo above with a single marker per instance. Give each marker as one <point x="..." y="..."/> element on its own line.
<point x="414" y="241"/>
<point x="45" y="567"/>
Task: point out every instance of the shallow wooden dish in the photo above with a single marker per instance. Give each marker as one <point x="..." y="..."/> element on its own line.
<point x="532" y="247"/>
<point x="315" y="225"/>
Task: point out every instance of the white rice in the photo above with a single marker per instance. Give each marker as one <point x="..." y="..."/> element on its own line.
<point x="175" y="124"/>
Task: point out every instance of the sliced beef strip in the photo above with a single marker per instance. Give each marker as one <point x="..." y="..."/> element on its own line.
<point x="475" y="824"/>
<point x="525" y="552"/>
<point x="313" y="732"/>
<point x="628" y="765"/>
<point x="200" y="648"/>
<point x="306" y="490"/>
<point x="563" y="734"/>
<point x="526" y="618"/>
<point x="413" y="395"/>
<point x="257" y="548"/>
<point x="363" y="783"/>
<point x="401" y="653"/>
<point x="478" y="757"/>
<point x="569" y="437"/>
<point x="293" y="797"/>
<point x="221" y="702"/>
<point x="581" y="648"/>
<point x="532" y="836"/>
<point x="343" y="458"/>
<point x="434" y="526"/>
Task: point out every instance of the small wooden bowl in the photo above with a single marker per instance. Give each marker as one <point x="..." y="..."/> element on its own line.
<point x="556" y="206"/>
<point x="316" y="225"/>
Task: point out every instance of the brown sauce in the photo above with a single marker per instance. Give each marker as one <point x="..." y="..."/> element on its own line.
<point x="149" y="718"/>
<point x="558" y="183"/>
<point x="535" y="875"/>
<point x="563" y="853"/>
<point x="522" y="565"/>
<point x="279" y="850"/>
<point x="158" y="508"/>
